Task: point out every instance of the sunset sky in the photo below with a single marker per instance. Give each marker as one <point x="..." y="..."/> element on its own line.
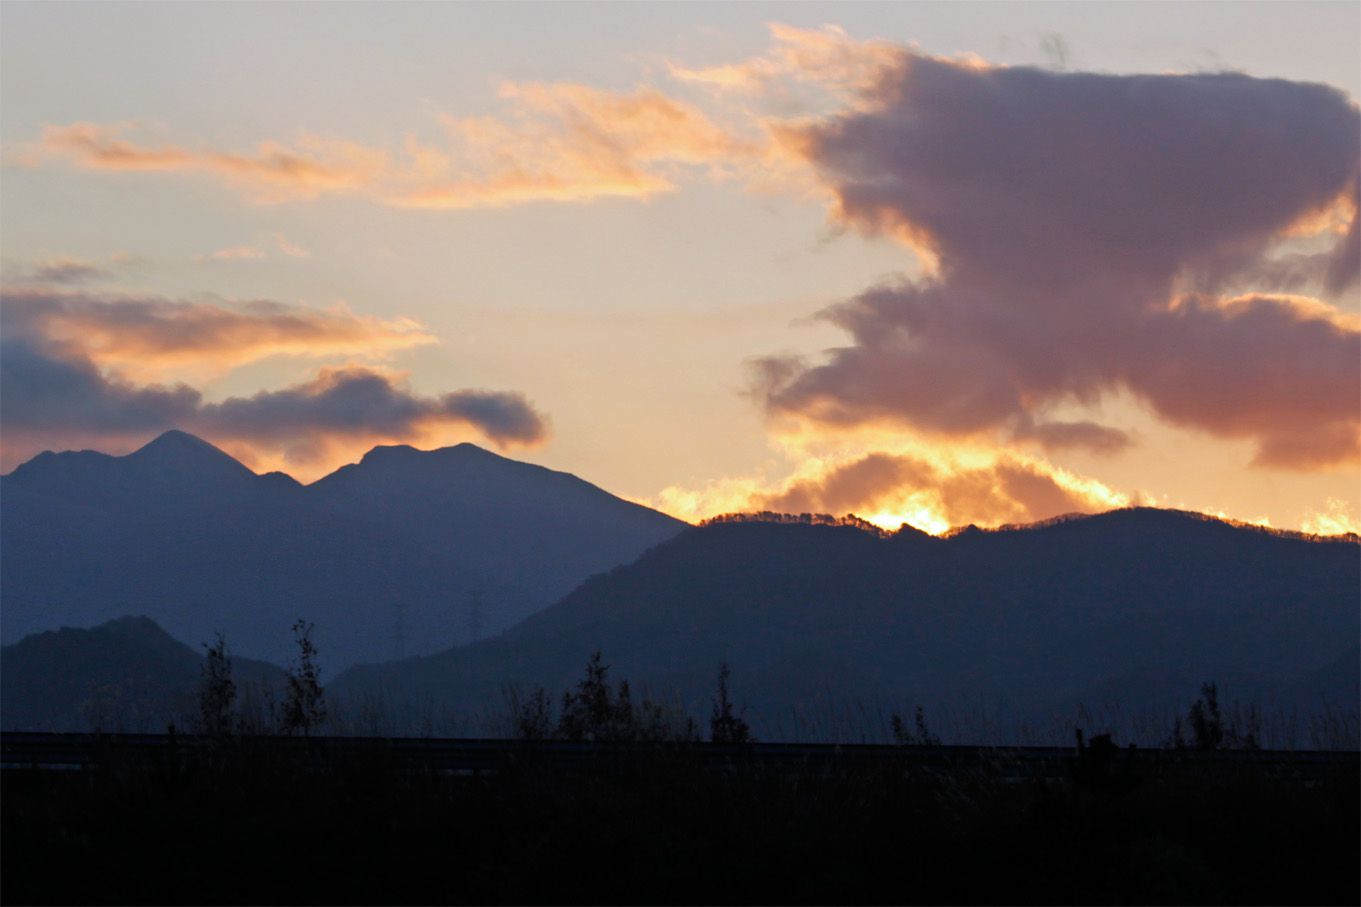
<point x="958" y="263"/>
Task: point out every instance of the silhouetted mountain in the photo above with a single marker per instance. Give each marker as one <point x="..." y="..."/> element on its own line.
<point x="1129" y="610"/>
<point x="405" y="552"/>
<point x="526" y="535"/>
<point x="127" y="674"/>
<point x="171" y="471"/>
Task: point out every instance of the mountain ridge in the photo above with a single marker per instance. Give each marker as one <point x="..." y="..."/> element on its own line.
<point x="819" y="621"/>
<point x="405" y="550"/>
<point x="1140" y="604"/>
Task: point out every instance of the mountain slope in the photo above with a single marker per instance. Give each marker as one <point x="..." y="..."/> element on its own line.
<point x="523" y="535"/>
<point x="406" y="551"/>
<point x="127" y="674"/>
<point x="1131" y="609"/>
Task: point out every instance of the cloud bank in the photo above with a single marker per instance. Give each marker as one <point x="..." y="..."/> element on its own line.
<point x="65" y="364"/>
<point x="148" y="334"/>
<point x="1083" y="230"/>
<point x="362" y="402"/>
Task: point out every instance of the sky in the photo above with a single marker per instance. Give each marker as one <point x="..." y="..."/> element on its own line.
<point x="934" y="263"/>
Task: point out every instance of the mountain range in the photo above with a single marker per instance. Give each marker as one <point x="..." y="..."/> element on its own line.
<point x="1124" y="612"/>
<point x="405" y="552"/>
<point x="827" y="625"/>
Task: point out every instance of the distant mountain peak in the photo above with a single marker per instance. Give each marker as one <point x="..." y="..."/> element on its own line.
<point x="176" y="436"/>
<point x="388" y="452"/>
<point x="136" y="627"/>
<point x="468" y="449"/>
<point x="176" y="440"/>
<point x="177" y="448"/>
<point x="398" y="453"/>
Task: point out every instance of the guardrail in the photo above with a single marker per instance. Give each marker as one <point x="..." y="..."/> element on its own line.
<point x="56" y="751"/>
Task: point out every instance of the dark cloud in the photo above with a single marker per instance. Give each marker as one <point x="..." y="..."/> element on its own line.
<point x="1061" y="435"/>
<point x="361" y="402"/>
<point x="504" y="417"/>
<point x="1086" y="227"/>
<point x="66" y="393"/>
<point x="67" y="271"/>
<point x="1274" y="369"/>
<point x="55" y="390"/>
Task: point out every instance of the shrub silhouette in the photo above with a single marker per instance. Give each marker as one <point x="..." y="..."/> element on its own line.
<point x="216" y="690"/>
<point x="1245" y="728"/>
<point x="533" y="715"/>
<point x="1207" y="725"/>
<point x="918" y="735"/>
<point x="305" y="705"/>
<point x="1209" y="732"/>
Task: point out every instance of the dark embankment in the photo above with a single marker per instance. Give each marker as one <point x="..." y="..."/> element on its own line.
<point x="247" y="828"/>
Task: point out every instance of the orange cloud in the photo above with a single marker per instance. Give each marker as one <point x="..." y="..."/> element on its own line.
<point x="274" y="172"/>
<point x="553" y="142"/>
<point x="98" y="147"/>
<point x="232" y="253"/>
<point x="149" y="335"/>
<point x="290" y="248"/>
<point x="826" y="59"/>
<point x="245" y="252"/>
<point x="1336" y="518"/>
<point x="566" y="142"/>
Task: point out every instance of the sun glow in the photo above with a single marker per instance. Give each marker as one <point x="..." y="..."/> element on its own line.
<point x="1336" y="518"/>
<point x="922" y="518"/>
<point x="889" y="478"/>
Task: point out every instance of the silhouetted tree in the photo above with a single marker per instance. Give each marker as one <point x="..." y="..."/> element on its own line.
<point x="802" y="519"/>
<point x="594" y="711"/>
<point x="305" y="705"/>
<point x="216" y="690"/>
<point x="586" y="713"/>
<point x="725" y="726"/>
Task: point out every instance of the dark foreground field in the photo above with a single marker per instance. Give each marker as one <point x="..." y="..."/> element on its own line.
<point x="301" y="823"/>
